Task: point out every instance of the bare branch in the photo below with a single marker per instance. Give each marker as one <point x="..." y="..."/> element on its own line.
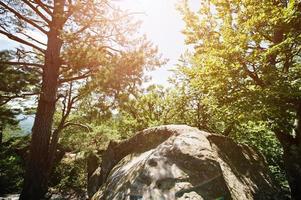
<point x="23" y="51"/>
<point x="251" y="74"/>
<point x="29" y="21"/>
<point x="254" y="76"/>
<point x="86" y="75"/>
<point x="67" y="124"/>
<point x="17" y="39"/>
<point x="31" y="38"/>
<point x="45" y="7"/>
<point x="9" y="98"/>
<point x="6" y="101"/>
<point x="23" y="63"/>
<point x="67" y="106"/>
<point x="36" y="10"/>
<point x="65" y="113"/>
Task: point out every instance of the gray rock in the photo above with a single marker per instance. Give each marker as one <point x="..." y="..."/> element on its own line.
<point x="93" y="170"/>
<point x="181" y="162"/>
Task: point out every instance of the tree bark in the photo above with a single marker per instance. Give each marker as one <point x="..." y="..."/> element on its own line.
<point x="292" y="159"/>
<point x="291" y="143"/>
<point x="38" y="170"/>
<point x="1" y="135"/>
<point x="292" y="164"/>
<point x="292" y="156"/>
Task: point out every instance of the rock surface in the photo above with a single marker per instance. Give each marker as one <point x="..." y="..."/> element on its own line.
<point x="181" y="162"/>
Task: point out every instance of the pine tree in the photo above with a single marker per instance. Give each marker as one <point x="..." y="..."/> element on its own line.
<point x="64" y="41"/>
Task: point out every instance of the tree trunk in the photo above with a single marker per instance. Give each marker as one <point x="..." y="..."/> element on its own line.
<point x="292" y="163"/>
<point x="1" y="135"/>
<point x="292" y="159"/>
<point x="292" y="156"/>
<point x="38" y="169"/>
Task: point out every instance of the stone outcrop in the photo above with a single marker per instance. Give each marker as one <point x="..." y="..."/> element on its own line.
<point x="181" y="162"/>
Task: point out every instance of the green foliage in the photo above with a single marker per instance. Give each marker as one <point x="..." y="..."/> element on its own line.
<point x="69" y="177"/>
<point x="87" y="140"/>
<point x="242" y="80"/>
<point x="158" y="105"/>
<point x="12" y="165"/>
<point x="8" y="116"/>
<point x="258" y="135"/>
<point x="240" y="65"/>
<point x="245" y="68"/>
<point x="15" y="80"/>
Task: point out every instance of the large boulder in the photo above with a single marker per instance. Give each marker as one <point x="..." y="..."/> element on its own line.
<point x="181" y="162"/>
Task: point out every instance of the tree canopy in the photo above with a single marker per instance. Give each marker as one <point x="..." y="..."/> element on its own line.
<point x="67" y="42"/>
<point x="83" y="65"/>
<point x="246" y="64"/>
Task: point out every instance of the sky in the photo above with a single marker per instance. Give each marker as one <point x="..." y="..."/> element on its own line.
<point x="162" y="24"/>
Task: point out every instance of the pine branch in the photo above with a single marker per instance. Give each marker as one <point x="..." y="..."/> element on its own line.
<point x="23" y="18"/>
<point x="36" y="10"/>
<point x="35" y="40"/>
<point x="17" y="39"/>
<point x="23" y="63"/>
<point x="45" y="7"/>
<point x="86" y="75"/>
<point x="9" y="98"/>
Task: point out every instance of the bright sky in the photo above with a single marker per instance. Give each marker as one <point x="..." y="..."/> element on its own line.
<point x="162" y="24"/>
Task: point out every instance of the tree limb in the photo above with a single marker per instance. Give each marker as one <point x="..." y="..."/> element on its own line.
<point x="9" y="98"/>
<point x="285" y="139"/>
<point x="23" y="18"/>
<point x="253" y="75"/>
<point x="66" y="111"/>
<point x="31" y="38"/>
<point x="44" y="6"/>
<point x="36" y="10"/>
<point x="89" y="129"/>
<point x="17" y="39"/>
<point x="23" y="63"/>
<point x="86" y="75"/>
<point x="298" y="127"/>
